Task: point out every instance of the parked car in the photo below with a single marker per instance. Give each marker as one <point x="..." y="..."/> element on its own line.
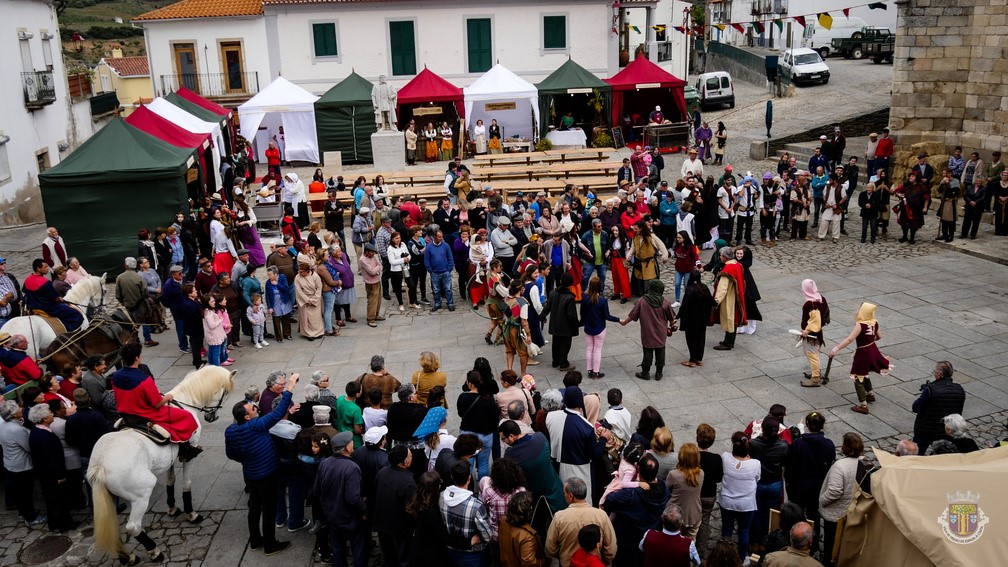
<point x="819" y="38"/>
<point x="715" y="88"/>
<point x="804" y="65"/>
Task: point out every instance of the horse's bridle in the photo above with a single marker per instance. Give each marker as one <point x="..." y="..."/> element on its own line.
<point x="209" y="412"/>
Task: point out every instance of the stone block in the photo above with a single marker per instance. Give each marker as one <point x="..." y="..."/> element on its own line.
<point x="940" y="62"/>
<point x="947" y="40"/>
<point x="952" y="11"/>
<point x="389" y="149"/>
<point x="920" y="124"/>
<point x="998" y="19"/>
<point x="947" y="124"/>
<point x="989" y="102"/>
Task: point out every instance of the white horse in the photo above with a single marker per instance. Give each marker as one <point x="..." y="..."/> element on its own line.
<point x="127" y="464"/>
<point x="84" y="295"/>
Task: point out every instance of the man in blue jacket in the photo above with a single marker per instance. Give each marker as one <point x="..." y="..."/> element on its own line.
<point x="171" y="297"/>
<point x="439" y="261"/>
<point x="248" y="441"/>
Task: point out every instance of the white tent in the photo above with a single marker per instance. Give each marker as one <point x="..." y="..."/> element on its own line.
<point x="283" y="103"/>
<point x="186" y="121"/>
<point x="501" y="95"/>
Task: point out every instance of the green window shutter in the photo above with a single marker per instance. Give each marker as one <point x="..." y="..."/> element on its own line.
<point x="480" y="57"/>
<point x="325" y="39"/>
<point x="402" y="42"/>
<point x="554" y="32"/>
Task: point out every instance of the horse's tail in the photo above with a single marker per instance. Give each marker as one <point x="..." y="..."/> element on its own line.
<point x="106" y="521"/>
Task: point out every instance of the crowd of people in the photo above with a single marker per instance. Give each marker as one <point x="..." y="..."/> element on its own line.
<point x="530" y="476"/>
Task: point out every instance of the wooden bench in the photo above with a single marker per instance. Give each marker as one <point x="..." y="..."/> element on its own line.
<point x="561" y="170"/>
<point x="597" y="184"/>
<point x="575" y="154"/>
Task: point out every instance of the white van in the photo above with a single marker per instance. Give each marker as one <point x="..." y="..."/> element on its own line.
<point x="715" y="88"/>
<point x="819" y="38"/>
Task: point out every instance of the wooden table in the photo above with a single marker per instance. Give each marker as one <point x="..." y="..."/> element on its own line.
<point x="527" y="158"/>
<point x="584" y="168"/>
<point x="511" y="143"/>
<point x="574" y="154"/>
<point x="533" y="171"/>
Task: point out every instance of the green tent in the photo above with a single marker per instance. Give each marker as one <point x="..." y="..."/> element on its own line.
<point x="205" y="115"/>
<point x="570" y="88"/>
<point x="119" y="181"/>
<point x="345" y="120"/>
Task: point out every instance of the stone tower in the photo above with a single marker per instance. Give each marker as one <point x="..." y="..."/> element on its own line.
<point x="950" y="81"/>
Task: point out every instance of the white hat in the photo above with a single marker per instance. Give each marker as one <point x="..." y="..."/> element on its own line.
<point x="658" y="108"/>
<point x="374" y="435"/>
<point x="823" y="137"/>
<point x="364" y="210"/>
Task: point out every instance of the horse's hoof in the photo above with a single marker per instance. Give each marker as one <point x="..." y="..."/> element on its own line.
<point x="130" y="559"/>
<point x="157" y="556"/>
<point x="173" y="511"/>
<point x="195" y="518"/>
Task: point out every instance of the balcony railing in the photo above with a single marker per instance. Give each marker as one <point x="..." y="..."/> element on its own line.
<point x="39" y="89"/>
<point x="214" y="85"/>
<point x="766" y="7"/>
<point x="104" y="103"/>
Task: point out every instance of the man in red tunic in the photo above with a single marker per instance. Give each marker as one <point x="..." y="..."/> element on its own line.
<point x="137" y="395"/>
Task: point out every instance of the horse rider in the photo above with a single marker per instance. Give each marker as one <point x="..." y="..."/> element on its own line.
<point x="16" y="366"/>
<point x="41" y="296"/>
<point x="131" y="291"/>
<point x="10" y="294"/>
<point x="139" y="400"/>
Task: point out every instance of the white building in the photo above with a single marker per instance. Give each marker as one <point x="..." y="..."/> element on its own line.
<point x="745" y="12"/>
<point x="41" y="122"/>
<point x="318" y="43"/>
<point x="216" y="48"/>
<point x="671" y="47"/>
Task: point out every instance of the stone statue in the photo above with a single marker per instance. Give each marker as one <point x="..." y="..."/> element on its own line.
<point x="383" y="98"/>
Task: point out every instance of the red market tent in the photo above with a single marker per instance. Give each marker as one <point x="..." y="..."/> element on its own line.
<point x="419" y="100"/>
<point x="641" y="85"/>
<point x="152" y="123"/>
<point x="207" y="104"/>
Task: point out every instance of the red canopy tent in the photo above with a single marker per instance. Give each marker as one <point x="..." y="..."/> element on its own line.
<point x="641" y="85"/>
<point x="207" y="104"/>
<point x="418" y="100"/>
<point x="152" y="123"/>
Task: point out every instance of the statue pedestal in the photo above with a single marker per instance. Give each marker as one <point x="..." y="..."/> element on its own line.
<point x="389" y="150"/>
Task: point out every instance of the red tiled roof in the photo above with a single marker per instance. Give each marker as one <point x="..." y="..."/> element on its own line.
<point x="274" y="2"/>
<point x="136" y="66"/>
<point x="204" y="9"/>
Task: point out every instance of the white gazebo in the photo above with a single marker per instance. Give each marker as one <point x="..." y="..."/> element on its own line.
<point x="283" y="103"/>
<point x="503" y="96"/>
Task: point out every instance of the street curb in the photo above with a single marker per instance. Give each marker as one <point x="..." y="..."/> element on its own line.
<point x="974" y="253"/>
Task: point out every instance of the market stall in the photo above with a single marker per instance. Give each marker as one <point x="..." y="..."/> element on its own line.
<point x="210" y="111"/>
<point x="637" y="89"/>
<point x="345" y="119"/>
<point x="124" y="179"/>
<point x="282" y="103"/>
<point x="191" y="123"/>
<point x="144" y="119"/>
<point x="429" y="98"/>
<point x="507" y="98"/>
<point x="572" y="88"/>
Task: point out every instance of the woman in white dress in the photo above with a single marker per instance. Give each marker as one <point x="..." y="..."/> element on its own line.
<point x="479" y="135"/>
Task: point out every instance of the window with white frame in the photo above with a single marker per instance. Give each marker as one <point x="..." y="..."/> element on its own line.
<point x="554" y="28"/>
<point x="5" y="170"/>
<point x="324" y="39"/>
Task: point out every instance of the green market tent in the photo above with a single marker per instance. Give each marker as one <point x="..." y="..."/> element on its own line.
<point x="345" y="120"/>
<point x="207" y="116"/>
<point x="118" y="181"/>
<point x="570" y="87"/>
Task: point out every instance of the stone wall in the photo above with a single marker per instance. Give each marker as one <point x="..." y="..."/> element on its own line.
<point x="950" y="76"/>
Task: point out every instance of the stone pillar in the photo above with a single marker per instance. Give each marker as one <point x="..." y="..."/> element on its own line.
<point x="389" y="150"/>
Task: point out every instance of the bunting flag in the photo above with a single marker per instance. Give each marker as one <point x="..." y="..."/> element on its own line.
<point x="877" y="6"/>
<point x="826" y="20"/>
<point x="800" y="20"/>
<point x="780" y="25"/>
<point x="720" y="27"/>
<point x="659" y="28"/>
<point x="846" y="12"/>
<point x="698" y="30"/>
<point x="637" y="29"/>
<point x="738" y="28"/>
<point x="759" y="27"/>
<point x="679" y="29"/>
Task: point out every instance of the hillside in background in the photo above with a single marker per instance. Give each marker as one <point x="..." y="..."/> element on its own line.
<point x="97" y="21"/>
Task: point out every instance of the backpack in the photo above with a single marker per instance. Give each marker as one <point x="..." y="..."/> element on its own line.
<point x="451" y="184"/>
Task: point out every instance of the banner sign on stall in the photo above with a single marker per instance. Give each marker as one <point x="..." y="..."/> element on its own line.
<point x="498" y="106"/>
<point x="647" y="85"/>
<point x="579" y="91"/>
<point x="426" y="110"/>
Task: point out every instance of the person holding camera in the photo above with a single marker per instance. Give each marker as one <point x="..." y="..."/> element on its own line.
<point x="937" y="399"/>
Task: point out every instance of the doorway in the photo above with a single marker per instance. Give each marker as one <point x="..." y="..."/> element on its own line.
<point x="231" y="60"/>
<point x="185" y="66"/>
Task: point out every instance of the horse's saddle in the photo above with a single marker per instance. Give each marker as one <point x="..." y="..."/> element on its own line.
<point x="57" y="326"/>
<point x="143" y="427"/>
